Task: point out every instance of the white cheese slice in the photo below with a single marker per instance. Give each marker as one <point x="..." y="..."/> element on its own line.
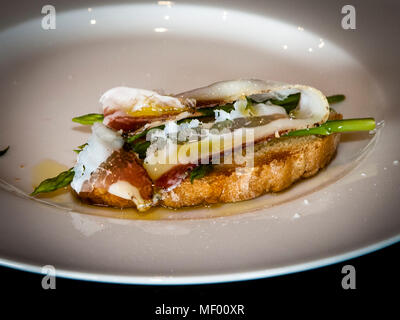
<point x="101" y="144"/>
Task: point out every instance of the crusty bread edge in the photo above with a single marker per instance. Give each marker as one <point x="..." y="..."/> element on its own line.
<point x="301" y="157"/>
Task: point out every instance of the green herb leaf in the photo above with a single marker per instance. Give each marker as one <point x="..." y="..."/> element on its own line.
<point x="52" y="184"/>
<point x="227" y="107"/>
<point x="187" y="120"/>
<point x="89" y="119"/>
<point x="200" y="171"/>
<point x="209" y="112"/>
<point x="332" y="126"/>
<point x="289" y="103"/>
<point x="3" y="152"/>
<point x="140" y="148"/>
<point x="80" y="148"/>
<point x="290" y="99"/>
<point x="133" y="138"/>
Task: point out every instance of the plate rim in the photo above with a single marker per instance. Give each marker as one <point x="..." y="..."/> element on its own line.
<point x="207" y="278"/>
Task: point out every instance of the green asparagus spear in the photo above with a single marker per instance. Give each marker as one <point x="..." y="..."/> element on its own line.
<point x="336" y="98"/>
<point x="332" y="126"/>
<point x="89" y="118"/>
<point x="52" y="184"/>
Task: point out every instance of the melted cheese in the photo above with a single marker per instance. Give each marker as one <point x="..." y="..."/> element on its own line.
<point x="125" y="190"/>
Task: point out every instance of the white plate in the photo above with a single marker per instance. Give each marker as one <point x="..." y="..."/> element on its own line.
<point x="50" y="76"/>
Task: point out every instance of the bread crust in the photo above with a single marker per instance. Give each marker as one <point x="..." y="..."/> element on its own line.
<point x="277" y="165"/>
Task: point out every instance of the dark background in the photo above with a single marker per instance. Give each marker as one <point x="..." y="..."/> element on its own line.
<point x="377" y="276"/>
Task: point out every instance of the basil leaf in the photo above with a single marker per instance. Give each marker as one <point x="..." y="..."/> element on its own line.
<point x="289" y="103"/>
<point x="292" y="98"/>
<point x="133" y="138"/>
<point x="52" y="184"/>
<point x="89" y="119"/>
<point x="227" y="107"/>
<point x="187" y="120"/>
<point x="200" y="171"/>
<point x="136" y="136"/>
<point x="3" y="152"/>
<point x="140" y="148"/>
<point x="209" y="112"/>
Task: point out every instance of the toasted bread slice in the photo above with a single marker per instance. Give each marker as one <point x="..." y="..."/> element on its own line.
<point x="277" y="165"/>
